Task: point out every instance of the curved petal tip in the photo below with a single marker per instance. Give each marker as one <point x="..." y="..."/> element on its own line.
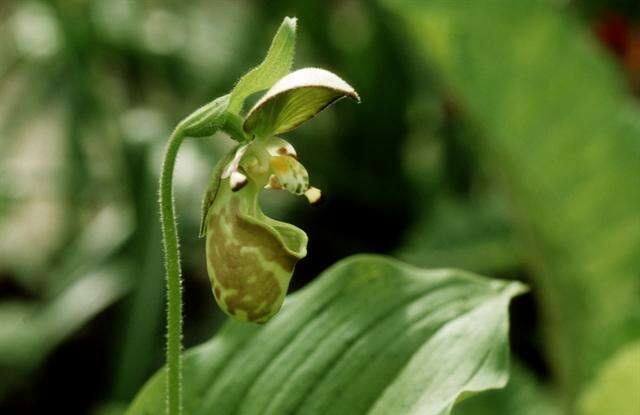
<point x="296" y="98"/>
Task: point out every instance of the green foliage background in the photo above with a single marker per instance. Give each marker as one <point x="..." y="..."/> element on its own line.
<point x="497" y="137"/>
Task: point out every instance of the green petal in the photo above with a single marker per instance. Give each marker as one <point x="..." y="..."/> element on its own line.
<point x="212" y="190"/>
<point x="295" y="99"/>
<point x="289" y="174"/>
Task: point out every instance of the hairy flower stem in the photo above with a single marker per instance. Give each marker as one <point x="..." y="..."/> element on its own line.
<point x="174" y="277"/>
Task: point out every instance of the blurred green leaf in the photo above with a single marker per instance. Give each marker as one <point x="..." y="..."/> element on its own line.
<point x="523" y="395"/>
<point x="471" y="235"/>
<point x="29" y="332"/>
<point x="97" y="241"/>
<point x="7" y="200"/>
<point x="561" y="133"/>
<point x="616" y="389"/>
<point x="276" y="64"/>
<point x="371" y="335"/>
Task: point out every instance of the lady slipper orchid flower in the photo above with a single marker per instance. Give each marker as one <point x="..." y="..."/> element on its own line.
<point x="251" y="257"/>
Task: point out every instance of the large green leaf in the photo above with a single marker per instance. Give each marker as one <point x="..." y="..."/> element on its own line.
<point x="370" y="335"/>
<point x="559" y="129"/>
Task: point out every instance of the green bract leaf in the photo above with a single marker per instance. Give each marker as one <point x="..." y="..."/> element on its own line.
<point x="206" y="120"/>
<point x="371" y="335"/>
<point x="276" y="64"/>
<point x="223" y="112"/>
<point x="295" y="99"/>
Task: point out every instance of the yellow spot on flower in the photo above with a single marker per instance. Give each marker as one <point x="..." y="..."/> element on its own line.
<point x="279" y="164"/>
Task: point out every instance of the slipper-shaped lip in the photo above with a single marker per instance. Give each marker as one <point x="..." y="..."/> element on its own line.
<point x="275" y="227"/>
<point x="294" y="99"/>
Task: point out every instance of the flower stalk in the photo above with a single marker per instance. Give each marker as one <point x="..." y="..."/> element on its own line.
<point x="173" y="276"/>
